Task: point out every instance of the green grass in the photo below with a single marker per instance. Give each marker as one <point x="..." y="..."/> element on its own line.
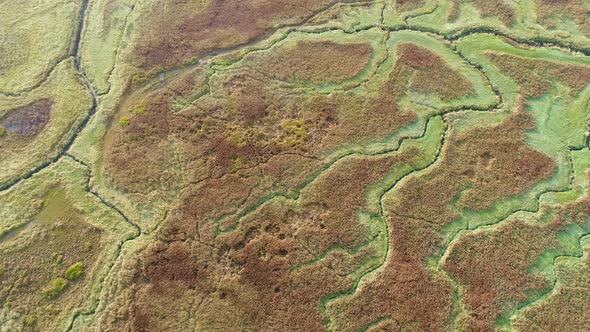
<point x="63" y="233"/>
<point x="71" y="103"/>
<point x="74" y="271"/>
<point x="55" y="287"/>
<point x="110" y="58"/>
<point x="29" y="49"/>
<point x="106" y="25"/>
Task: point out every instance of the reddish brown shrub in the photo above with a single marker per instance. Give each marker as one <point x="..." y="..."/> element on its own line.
<point x="497" y="8"/>
<point x="316" y="61"/>
<point x="551" y="12"/>
<point x="178" y="30"/>
<point x="494" y="265"/>
<point x="534" y="76"/>
<point x="406" y="5"/>
<point x="432" y="74"/>
<point x="28" y="120"/>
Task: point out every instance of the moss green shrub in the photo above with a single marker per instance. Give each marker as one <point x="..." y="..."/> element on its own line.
<point x="124" y="121"/>
<point x="75" y="271"/>
<point x="30" y="320"/>
<point x="140" y="109"/>
<point x="55" y="287"/>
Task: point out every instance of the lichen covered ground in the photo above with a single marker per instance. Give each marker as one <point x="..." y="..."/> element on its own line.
<point x="309" y="165"/>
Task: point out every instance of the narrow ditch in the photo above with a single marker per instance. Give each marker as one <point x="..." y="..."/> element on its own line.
<point x="475" y="66"/>
<point x="66" y="144"/>
<point x="73" y="50"/>
<point x="65" y="147"/>
<point x="455" y="237"/>
<point x="137" y="233"/>
<point x="450" y="37"/>
<point x="116" y="55"/>
<point x="103" y="200"/>
<point x="325" y="301"/>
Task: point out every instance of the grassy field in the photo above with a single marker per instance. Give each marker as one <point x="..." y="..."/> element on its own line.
<point x="316" y="165"/>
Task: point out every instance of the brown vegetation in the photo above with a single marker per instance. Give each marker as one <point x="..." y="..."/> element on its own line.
<point x="260" y="271"/>
<point x="494" y="266"/>
<point x="214" y="137"/>
<point x="404" y="287"/>
<point x="256" y="121"/>
<point x="566" y="308"/>
<point x="407" y="5"/>
<point x="487" y="8"/>
<point x="495" y="162"/>
<point x="257" y="274"/>
<point x="194" y="29"/>
<point x="28" y="120"/>
<point x="253" y="123"/>
<point x="145" y="142"/>
<point x="551" y="12"/>
<point x="479" y="167"/>
<point x="432" y="73"/>
<point x="34" y="261"/>
<point x="534" y="76"/>
<point x="497" y="8"/>
<point x="454" y="11"/>
<point x="316" y="61"/>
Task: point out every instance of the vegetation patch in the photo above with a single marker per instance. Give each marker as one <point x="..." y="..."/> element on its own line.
<point x="406" y="5"/>
<point x="317" y="61"/>
<point x="534" y="75"/>
<point x="552" y="13"/>
<point x="74" y="271"/>
<point x="55" y="287"/>
<point x="498" y="8"/>
<point x="487" y="8"/>
<point x="312" y="165"/>
<point x="56" y="244"/>
<point x="28" y="120"/>
<point x="201" y="27"/>
<point x="432" y="74"/>
<point x="287" y="252"/>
